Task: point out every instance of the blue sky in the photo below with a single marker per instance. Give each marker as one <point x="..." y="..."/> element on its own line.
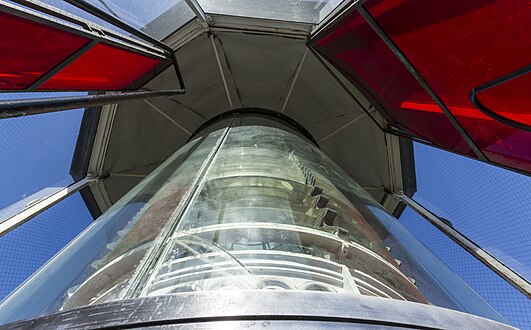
<point x="489" y="205"/>
<point x="36" y="152"/>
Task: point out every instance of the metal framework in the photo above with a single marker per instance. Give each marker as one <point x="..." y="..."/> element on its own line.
<point x="42" y="205"/>
<point x="510" y="276"/>
<point x="407" y="64"/>
<point x="293" y="81"/>
<point x="352" y="5"/>
<point x="503" y="79"/>
<point x="218" y="61"/>
<point x="57" y="18"/>
<point x="143" y="44"/>
<point x="97" y="12"/>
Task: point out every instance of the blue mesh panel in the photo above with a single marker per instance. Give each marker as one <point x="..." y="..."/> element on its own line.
<point x="489" y="205"/>
<point x="36" y="151"/>
<point x="513" y="305"/>
<point x="28" y="247"/>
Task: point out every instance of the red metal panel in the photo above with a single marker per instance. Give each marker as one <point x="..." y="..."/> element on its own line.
<point x="30" y="49"/>
<point x="356" y="50"/>
<point x="457" y="45"/>
<point x="103" y="67"/>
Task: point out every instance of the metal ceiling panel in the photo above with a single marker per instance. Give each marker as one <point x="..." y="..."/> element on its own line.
<point x="262" y="65"/>
<point x="140" y="136"/>
<point x="263" y="71"/>
<point x="205" y="92"/>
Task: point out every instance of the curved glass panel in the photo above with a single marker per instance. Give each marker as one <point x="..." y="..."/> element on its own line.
<point x="240" y="208"/>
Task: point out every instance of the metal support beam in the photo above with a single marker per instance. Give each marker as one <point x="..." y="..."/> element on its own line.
<point x="358" y="117"/>
<point x="294" y="80"/>
<point x="42" y="205"/>
<point x="498" y="81"/>
<point x="394" y="48"/>
<point x="19" y="108"/>
<point x="55" y="17"/>
<point x="221" y="71"/>
<point x="198" y="11"/>
<point x="99" y="13"/>
<point x="163" y="114"/>
<point x="509" y="275"/>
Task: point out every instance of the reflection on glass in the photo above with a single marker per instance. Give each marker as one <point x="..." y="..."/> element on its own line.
<point x="306" y="11"/>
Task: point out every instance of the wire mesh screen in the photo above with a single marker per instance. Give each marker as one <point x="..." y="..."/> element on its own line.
<point x="35" y="154"/>
<point x="513" y="305"/>
<point x="489" y="205"/>
<point x="27" y="248"/>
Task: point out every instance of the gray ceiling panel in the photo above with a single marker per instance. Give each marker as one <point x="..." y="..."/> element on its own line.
<point x="361" y="152"/>
<point x="140" y="136"/>
<point x="115" y="186"/>
<point x="262" y="65"/>
<point x="205" y="94"/>
<point x="258" y="69"/>
<point x="318" y="102"/>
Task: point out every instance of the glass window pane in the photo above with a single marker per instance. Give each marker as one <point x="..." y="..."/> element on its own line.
<point x="30" y="49"/>
<point x="36" y="154"/>
<point x="27" y="248"/>
<point x="359" y="53"/>
<point x="306" y="11"/>
<point x="157" y="18"/>
<point x="453" y="62"/>
<point x="103" y="67"/>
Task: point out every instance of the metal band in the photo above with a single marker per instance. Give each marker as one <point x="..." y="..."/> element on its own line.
<point x="259" y="112"/>
<point x="210" y="310"/>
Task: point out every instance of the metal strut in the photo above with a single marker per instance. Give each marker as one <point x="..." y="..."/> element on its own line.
<point x="503" y="79"/>
<point x="509" y="275"/>
<point x="19" y="108"/>
<point x="420" y="79"/>
<point x="42" y="205"/>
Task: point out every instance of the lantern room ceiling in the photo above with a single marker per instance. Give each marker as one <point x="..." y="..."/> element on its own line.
<point x="242" y="62"/>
